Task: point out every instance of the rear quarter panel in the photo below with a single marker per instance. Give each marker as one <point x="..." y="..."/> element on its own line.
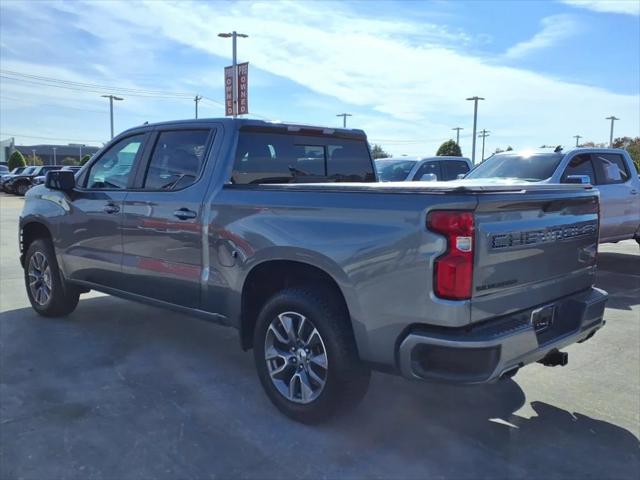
<point x="375" y="246"/>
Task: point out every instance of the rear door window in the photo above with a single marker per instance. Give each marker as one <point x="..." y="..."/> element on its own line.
<point x="263" y="157"/>
<point x="452" y="168"/>
<point x="428" y="167"/>
<point x="580" y="165"/>
<point x="610" y="168"/>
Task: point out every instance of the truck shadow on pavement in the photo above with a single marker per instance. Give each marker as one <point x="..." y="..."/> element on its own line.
<point x="122" y="390"/>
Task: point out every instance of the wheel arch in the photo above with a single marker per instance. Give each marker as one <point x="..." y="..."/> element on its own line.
<point x="270" y="276"/>
<point x="29" y="232"/>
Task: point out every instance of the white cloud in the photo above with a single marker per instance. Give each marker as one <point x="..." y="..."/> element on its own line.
<point x="406" y="81"/>
<point x="554" y="29"/>
<point x="628" y="7"/>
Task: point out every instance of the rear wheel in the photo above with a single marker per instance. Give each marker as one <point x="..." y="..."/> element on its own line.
<point x="306" y="355"/>
<point x="48" y="293"/>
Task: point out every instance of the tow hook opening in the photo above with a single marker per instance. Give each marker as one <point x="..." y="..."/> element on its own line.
<point x="555" y="358"/>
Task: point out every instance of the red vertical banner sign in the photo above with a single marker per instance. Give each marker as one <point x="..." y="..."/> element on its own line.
<point x="243" y="88"/>
<point x="228" y="90"/>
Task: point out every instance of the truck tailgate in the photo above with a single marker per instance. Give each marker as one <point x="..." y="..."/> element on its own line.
<point x="532" y="247"/>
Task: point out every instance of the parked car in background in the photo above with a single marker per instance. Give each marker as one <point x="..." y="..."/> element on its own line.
<point x="283" y="232"/>
<point x="15" y="173"/>
<point x="21" y="183"/>
<point x="40" y="179"/>
<point x="7" y="175"/>
<point x="4" y="169"/>
<point x="407" y="169"/>
<point x="611" y="170"/>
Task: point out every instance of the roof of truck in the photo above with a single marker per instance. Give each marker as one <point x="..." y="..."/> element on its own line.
<point x="259" y="124"/>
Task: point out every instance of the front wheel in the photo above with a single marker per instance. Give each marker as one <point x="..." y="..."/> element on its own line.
<point x="22" y="189"/>
<point x="48" y="293"/>
<point x="306" y="355"/>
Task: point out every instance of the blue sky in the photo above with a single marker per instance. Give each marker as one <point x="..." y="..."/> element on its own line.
<point x="548" y="69"/>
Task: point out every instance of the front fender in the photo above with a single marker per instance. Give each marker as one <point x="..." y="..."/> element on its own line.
<point x="44" y="207"/>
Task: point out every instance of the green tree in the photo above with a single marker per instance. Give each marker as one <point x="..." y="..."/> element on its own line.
<point x="509" y="148"/>
<point x="378" y="152"/>
<point x="633" y="147"/>
<point x="85" y="159"/>
<point x="69" y="161"/>
<point x="450" y="149"/>
<point x="35" y="160"/>
<point x="623" y="142"/>
<point x="16" y="160"/>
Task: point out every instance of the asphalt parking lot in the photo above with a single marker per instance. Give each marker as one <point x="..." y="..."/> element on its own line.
<point x="119" y="390"/>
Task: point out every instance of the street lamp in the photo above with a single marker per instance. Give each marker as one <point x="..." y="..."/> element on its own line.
<point x="475" y="122"/>
<point x="457" y="129"/>
<point x="577" y="137"/>
<point x="111" y="99"/>
<point x="344" y="118"/>
<point x="613" y="119"/>
<point x="234" y="36"/>
<point x="54" y="156"/>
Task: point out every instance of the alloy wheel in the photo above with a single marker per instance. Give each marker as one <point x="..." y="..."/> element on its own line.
<point x="39" y="274"/>
<point x="296" y="357"/>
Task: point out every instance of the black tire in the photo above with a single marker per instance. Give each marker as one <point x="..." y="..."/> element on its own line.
<point x="346" y="379"/>
<point x="22" y="188"/>
<point x="63" y="297"/>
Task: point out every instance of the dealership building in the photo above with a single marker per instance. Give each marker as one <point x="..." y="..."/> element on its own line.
<point x="47" y="153"/>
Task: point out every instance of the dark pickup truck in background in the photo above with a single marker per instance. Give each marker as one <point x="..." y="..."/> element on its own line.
<point x="282" y="232"/>
<point x="19" y="184"/>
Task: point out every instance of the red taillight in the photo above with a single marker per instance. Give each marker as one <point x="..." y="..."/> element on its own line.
<point x="453" y="276"/>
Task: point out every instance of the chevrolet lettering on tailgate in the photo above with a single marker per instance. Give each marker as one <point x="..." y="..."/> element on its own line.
<point x="554" y="234"/>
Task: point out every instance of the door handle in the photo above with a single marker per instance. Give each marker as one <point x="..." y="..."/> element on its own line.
<point x="634" y="192"/>
<point x="185" y="214"/>
<point x="111" y="208"/>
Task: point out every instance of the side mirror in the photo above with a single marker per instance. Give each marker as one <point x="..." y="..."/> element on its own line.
<point x="461" y="176"/>
<point x="62" y="180"/>
<point x="429" y="177"/>
<point x="581" y="179"/>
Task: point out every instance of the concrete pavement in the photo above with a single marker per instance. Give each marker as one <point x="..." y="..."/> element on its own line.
<point x="120" y="390"/>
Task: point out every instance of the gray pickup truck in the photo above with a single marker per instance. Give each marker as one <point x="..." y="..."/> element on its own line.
<point x="282" y="232"/>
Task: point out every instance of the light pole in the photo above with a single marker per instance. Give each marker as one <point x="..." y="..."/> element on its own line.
<point x="234" y="35"/>
<point x="197" y="99"/>
<point x="54" y="156"/>
<point x="577" y="137"/>
<point x="457" y="129"/>
<point x="475" y="122"/>
<point x="613" y="119"/>
<point x="33" y="157"/>
<point x="111" y="99"/>
<point x="344" y="118"/>
<point x="484" y="134"/>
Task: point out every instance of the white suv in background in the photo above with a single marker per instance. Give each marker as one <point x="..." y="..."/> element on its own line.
<point x="610" y="170"/>
<point x="407" y="169"/>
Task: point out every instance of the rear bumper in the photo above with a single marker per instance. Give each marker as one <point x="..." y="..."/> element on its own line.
<point x="485" y="352"/>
